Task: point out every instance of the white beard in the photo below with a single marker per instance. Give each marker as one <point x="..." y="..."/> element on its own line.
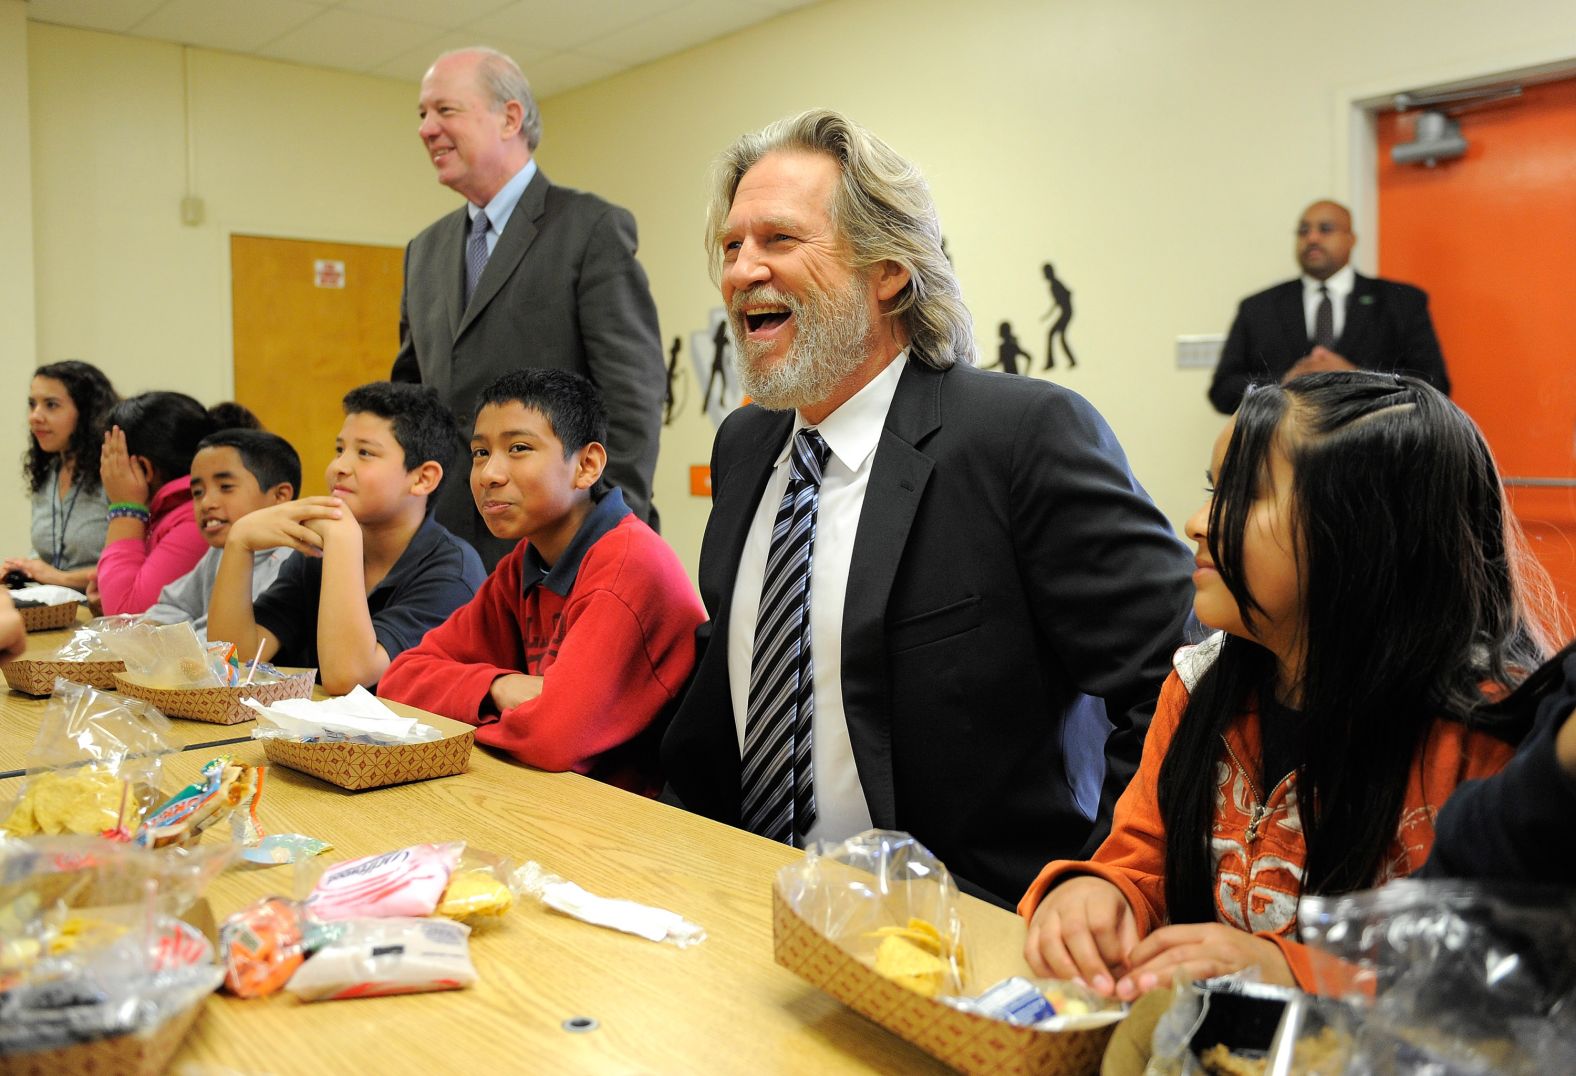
<point x="831" y="334"/>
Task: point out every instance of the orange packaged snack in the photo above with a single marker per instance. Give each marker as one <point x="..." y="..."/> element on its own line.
<point x="262" y="947"/>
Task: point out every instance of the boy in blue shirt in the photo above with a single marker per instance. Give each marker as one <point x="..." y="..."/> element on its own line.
<point x="372" y="570"/>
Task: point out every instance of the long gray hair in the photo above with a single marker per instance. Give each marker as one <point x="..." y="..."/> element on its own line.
<point x="882" y="207"/>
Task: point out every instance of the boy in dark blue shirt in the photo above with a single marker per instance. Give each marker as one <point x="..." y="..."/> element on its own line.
<point x="372" y="570"/>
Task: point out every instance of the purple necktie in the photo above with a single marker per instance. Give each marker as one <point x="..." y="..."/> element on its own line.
<point x="475" y="254"/>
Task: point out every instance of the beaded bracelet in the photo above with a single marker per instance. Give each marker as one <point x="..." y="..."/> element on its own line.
<point x="129" y="510"/>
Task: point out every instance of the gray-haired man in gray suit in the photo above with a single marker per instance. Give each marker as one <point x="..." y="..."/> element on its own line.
<point x="525" y="274"/>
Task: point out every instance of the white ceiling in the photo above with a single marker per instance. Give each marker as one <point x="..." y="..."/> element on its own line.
<point x="560" y="44"/>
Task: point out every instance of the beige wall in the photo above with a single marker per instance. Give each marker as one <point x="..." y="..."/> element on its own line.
<point x="1157" y="152"/>
<point x="16" y="273"/>
<point x="277" y="149"/>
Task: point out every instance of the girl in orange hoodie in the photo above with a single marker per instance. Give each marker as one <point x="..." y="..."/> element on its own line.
<point x="1357" y="557"/>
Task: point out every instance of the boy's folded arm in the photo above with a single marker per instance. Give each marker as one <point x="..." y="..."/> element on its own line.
<point x="603" y="689"/>
<point x="231" y="616"/>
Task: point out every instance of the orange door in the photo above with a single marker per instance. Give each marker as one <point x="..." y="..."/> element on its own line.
<point x="311" y="321"/>
<point x="1492" y="238"/>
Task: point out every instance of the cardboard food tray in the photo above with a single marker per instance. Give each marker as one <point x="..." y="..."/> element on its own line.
<point x="216" y="705"/>
<point x="144" y="1053"/>
<point x="357" y="766"/>
<point x="967" y="1042"/>
<point x="36" y="676"/>
<point x="49" y="617"/>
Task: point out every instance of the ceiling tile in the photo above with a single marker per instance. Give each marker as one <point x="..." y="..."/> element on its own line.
<point x="410" y="66"/>
<point x="93" y="14"/>
<point x="235" y="25"/>
<point x="444" y="14"/>
<point x="566" y="70"/>
<point x="348" y="41"/>
<point x="563" y="26"/>
<point x="673" y="31"/>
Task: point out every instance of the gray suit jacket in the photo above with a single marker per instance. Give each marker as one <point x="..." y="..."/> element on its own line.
<point x="561" y="290"/>
<point x="1009" y="577"/>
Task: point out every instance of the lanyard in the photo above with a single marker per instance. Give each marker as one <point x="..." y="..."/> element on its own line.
<point x="59" y="522"/>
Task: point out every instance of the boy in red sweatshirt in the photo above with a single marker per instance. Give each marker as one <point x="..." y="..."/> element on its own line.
<point x="583" y="636"/>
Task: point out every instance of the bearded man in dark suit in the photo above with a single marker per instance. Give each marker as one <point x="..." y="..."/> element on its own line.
<point x="940" y="600"/>
<point x="525" y="274"/>
<point x="1330" y="318"/>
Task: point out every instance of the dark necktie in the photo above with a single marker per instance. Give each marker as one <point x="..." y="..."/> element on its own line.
<point x="475" y="254"/>
<point x="1324" y="320"/>
<point x="778" y="779"/>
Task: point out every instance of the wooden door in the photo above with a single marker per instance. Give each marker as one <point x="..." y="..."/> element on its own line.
<point x="311" y="321"/>
<point x="1492" y="238"/>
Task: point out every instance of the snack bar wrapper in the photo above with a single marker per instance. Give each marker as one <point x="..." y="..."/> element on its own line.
<point x="90" y="642"/>
<point x="1452" y="977"/>
<point x="94" y="767"/>
<point x="226" y="789"/>
<point x="884" y="898"/>
<point x="642" y="920"/>
<point x="379" y="957"/>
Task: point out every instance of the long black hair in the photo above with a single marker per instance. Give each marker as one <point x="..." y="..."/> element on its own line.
<point x="1410" y="566"/>
<point x="93" y="396"/>
<point x="166" y="427"/>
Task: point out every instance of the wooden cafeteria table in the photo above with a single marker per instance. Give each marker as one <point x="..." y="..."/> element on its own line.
<point x="722" y="1006"/>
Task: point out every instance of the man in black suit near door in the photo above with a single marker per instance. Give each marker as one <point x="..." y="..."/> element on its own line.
<point x="940" y="600"/>
<point x="1330" y="318"/>
<point x="527" y="273"/>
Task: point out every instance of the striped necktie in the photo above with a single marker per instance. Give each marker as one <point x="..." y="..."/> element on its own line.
<point x="475" y="254"/>
<point x="778" y="778"/>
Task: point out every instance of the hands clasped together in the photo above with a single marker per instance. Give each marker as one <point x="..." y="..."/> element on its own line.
<point x="1085" y="931"/>
<point x="306" y="525"/>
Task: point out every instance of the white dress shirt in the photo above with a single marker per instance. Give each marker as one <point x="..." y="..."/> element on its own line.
<point x="852" y="433"/>
<point x="1341" y="283"/>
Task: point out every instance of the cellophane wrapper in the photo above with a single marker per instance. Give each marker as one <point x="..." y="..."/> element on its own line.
<point x="1451" y="977"/>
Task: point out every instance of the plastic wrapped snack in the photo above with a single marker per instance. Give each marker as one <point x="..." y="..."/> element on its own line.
<point x="91" y="947"/>
<point x="95" y="765"/>
<point x="641" y="920"/>
<point x="481" y="889"/>
<point x="1452" y="977"/>
<point x="883" y="897"/>
<point x="226" y="789"/>
<point x="170" y="656"/>
<point x="379" y="957"/>
<point x="90" y="642"/>
<point x="406" y="882"/>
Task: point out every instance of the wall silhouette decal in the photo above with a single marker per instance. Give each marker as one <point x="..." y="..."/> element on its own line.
<point x="1062" y="310"/>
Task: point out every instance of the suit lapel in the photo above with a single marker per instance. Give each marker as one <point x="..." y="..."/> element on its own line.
<point x="517" y="237"/>
<point x="1359" y="322"/>
<point x="898" y="476"/>
<point x="1293" y="321"/>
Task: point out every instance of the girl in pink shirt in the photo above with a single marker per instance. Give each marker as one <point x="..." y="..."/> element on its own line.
<point x="145" y="466"/>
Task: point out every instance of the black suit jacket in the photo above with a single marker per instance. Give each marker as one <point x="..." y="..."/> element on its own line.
<point x="563" y="290"/>
<point x="1006" y="567"/>
<point x="1387" y="328"/>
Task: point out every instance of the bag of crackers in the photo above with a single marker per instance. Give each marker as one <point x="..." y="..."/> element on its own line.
<point x="95" y="766"/>
<point x="1451" y="977"/>
<point x="883" y="898"/>
<point x="91" y="947"/>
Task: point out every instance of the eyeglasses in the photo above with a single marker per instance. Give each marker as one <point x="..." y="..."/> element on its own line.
<point x="1324" y="227"/>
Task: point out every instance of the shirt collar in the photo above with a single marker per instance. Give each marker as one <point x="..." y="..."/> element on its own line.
<point x="560" y="578"/>
<point x="428" y="535"/>
<point x="1340" y="283"/>
<point x="502" y="206"/>
<point x="170" y="493"/>
<point x="854" y="429"/>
